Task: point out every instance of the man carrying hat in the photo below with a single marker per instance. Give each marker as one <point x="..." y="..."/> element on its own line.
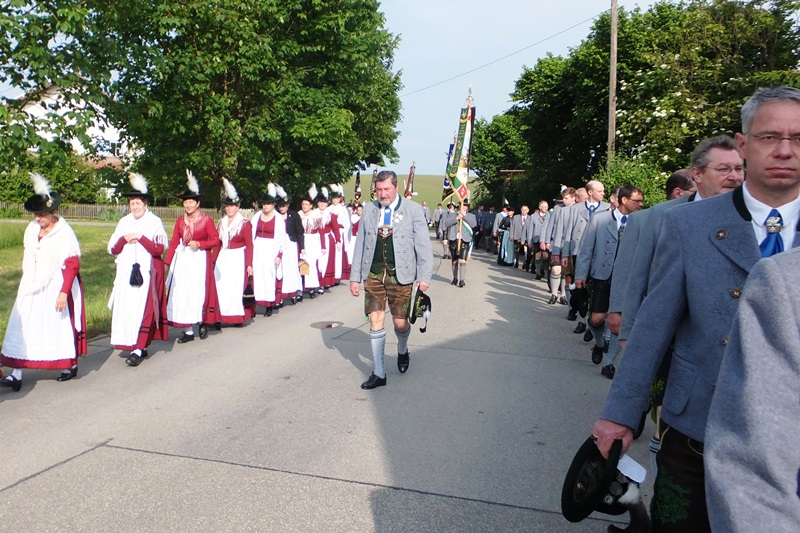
<point x="393" y="250"/>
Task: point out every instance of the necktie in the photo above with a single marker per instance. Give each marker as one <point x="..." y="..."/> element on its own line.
<point x="591" y="208"/>
<point x="772" y="244"/>
<point x="622" y="222"/>
<point x="387" y="216"/>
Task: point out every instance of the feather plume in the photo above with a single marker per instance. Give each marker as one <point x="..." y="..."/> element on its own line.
<point x="271" y="190"/>
<point x="230" y="190"/>
<point x="138" y="182"/>
<point x="191" y="182"/>
<point x="281" y="191"/>
<point x="338" y="188"/>
<point x="40" y="184"/>
<point x="325" y="192"/>
<point x="312" y="192"/>
<point x="563" y="188"/>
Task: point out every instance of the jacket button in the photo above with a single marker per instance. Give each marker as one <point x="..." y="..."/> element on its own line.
<point x="736" y="293"/>
<point x="722" y="234"/>
<point x="725" y="340"/>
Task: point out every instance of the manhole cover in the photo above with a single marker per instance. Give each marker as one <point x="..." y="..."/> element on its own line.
<point x="326" y="325"/>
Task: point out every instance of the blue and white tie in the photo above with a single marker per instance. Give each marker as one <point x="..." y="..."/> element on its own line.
<point x="387" y="216"/>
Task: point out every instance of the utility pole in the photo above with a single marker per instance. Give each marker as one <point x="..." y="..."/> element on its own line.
<point x="612" y="85"/>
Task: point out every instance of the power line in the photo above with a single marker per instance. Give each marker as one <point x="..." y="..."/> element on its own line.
<point x="499" y="59"/>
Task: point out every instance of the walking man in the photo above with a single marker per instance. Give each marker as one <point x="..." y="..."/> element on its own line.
<point x="393" y="250"/>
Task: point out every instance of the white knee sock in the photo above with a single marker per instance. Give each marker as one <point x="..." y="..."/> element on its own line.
<point x="378" y="341"/>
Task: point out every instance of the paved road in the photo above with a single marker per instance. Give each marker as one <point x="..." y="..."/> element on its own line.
<point x="265" y="428"/>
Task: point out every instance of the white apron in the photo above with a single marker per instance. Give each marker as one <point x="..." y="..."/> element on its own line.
<point x="229" y="276"/>
<point x="187" y="286"/>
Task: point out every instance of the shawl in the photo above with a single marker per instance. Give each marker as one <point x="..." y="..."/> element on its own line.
<point x="149" y="225"/>
<point x="44" y="257"/>
<point x="229" y="231"/>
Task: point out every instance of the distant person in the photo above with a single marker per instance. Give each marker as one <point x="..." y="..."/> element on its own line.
<point x="138" y="307"/>
<point x="47" y="326"/>
<point x="388" y="266"/>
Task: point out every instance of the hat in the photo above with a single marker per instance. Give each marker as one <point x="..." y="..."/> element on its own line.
<point x="45" y="199"/>
<point x="451" y="202"/>
<point x="421" y="307"/>
<point x="138" y="187"/>
<point x="594" y="483"/>
<point x="272" y="195"/>
<point x="465" y="201"/>
<point x="312" y="194"/>
<point x="231" y="195"/>
<point x="337" y="191"/>
<point x="323" y="195"/>
<point x="283" y="196"/>
<point x="192" y="191"/>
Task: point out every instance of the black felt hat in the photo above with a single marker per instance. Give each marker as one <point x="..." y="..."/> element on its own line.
<point x="323" y="196"/>
<point x="283" y="196"/>
<point x="192" y="191"/>
<point x="138" y="188"/>
<point x="45" y="199"/>
<point x="421" y="308"/>
<point x="591" y="483"/>
<point x="271" y="196"/>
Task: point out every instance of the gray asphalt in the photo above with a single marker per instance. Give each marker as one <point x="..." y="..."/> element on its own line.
<point x="265" y="428"/>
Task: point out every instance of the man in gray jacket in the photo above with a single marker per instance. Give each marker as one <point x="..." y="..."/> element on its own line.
<point x="392" y="251"/>
<point x="458" y="226"/>
<point x="700" y="267"/>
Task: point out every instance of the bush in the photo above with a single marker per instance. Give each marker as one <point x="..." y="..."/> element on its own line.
<point x="10" y="212"/>
<point x="648" y="177"/>
<point x="109" y="215"/>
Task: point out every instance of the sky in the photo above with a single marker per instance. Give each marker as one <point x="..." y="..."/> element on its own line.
<point x="440" y="39"/>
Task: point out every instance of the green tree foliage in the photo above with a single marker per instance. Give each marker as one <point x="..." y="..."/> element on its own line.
<point x="684" y="69"/>
<point x="293" y="91"/>
<point x="496" y="146"/>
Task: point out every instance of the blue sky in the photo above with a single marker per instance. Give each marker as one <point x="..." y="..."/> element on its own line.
<point x="440" y="39"/>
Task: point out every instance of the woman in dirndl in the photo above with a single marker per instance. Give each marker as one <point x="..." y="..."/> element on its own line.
<point x="234" y="265"/>
<point x="47" y="326"/>
<point x="138" y="300"/>
<point x="330" y="241"/>
<point x="269" y="235"/>
<point x="312" y="222"/>
<point x="342" y="215"/>
<point x="190" y="285"/>
<point x="292" y="286"/>
<point x="506" y="252"/>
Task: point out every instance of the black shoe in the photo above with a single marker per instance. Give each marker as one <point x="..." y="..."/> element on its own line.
<point x="312" y="294"/>
<point x="203" y="331"/>
<point x="454" y="282"/>
<point x="580" y="328"/>
<point x="321" y="290"/>
<point x="462" y="283"/>
<point x="12" y="383"/>
<point x="608" y="371"/>
<point x="562" y="301"/>
<point x="185" y="338"/>
<point x="588" y="336"/>
<point x="572" y="315"/>
<point x="402" y="362"/>
<point x="218" y="326"/>
<point x="597" y="355"/>
<point x="268" y="311"/>
<point x="67" y="375"/>
<point x="293" y="300"/>
<point x="553" y="299"/>
<point x="373" y="382"/>
<point x="136" y="359"/>
<point x="538" y="277"/>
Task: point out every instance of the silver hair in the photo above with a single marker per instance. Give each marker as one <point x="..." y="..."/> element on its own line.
<point x="700" y="155"/>
<point x="762" y="96"/>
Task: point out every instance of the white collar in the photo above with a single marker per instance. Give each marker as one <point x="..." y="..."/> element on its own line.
<point x="760" y="211"/>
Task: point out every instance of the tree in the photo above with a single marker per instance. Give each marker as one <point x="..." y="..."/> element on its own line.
<point x="497" y="145"/>
<point x="684" y="70"/>
<point x="296" y="91"/>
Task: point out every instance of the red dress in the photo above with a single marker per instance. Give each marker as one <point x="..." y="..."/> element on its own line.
<point x="205" y="233"/>
<point x="154" y="321"/>
<point x="330" y="236"/>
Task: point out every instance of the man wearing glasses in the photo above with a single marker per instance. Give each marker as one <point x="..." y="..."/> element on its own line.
<point x="701" y="263"/>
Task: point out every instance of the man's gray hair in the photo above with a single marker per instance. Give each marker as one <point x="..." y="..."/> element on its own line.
<point x="762" y="96"/>
<point x="700" y="155"/>
<point x="384" y="175"/>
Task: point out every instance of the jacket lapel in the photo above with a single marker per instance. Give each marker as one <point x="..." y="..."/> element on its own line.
<point x="734" y="235"/>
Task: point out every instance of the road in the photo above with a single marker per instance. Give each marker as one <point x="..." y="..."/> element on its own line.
<point x="265" y="428"/>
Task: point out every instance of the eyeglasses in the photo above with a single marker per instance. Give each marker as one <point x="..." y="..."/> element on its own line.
<point x="770" y="140"/>
<point x="728" y="170"/>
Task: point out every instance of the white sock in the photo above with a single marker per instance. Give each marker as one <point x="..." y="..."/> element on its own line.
<point x="402" y="339"/>
<point x="189" y="330"/>
<point x="378" y="342"/>
<point x="16" y="373"/>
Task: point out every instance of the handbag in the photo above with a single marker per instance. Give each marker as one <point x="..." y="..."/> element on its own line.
<point x="136" y="276"/>
<point x="249" y="295"/>
<point x="303" y="265"/>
